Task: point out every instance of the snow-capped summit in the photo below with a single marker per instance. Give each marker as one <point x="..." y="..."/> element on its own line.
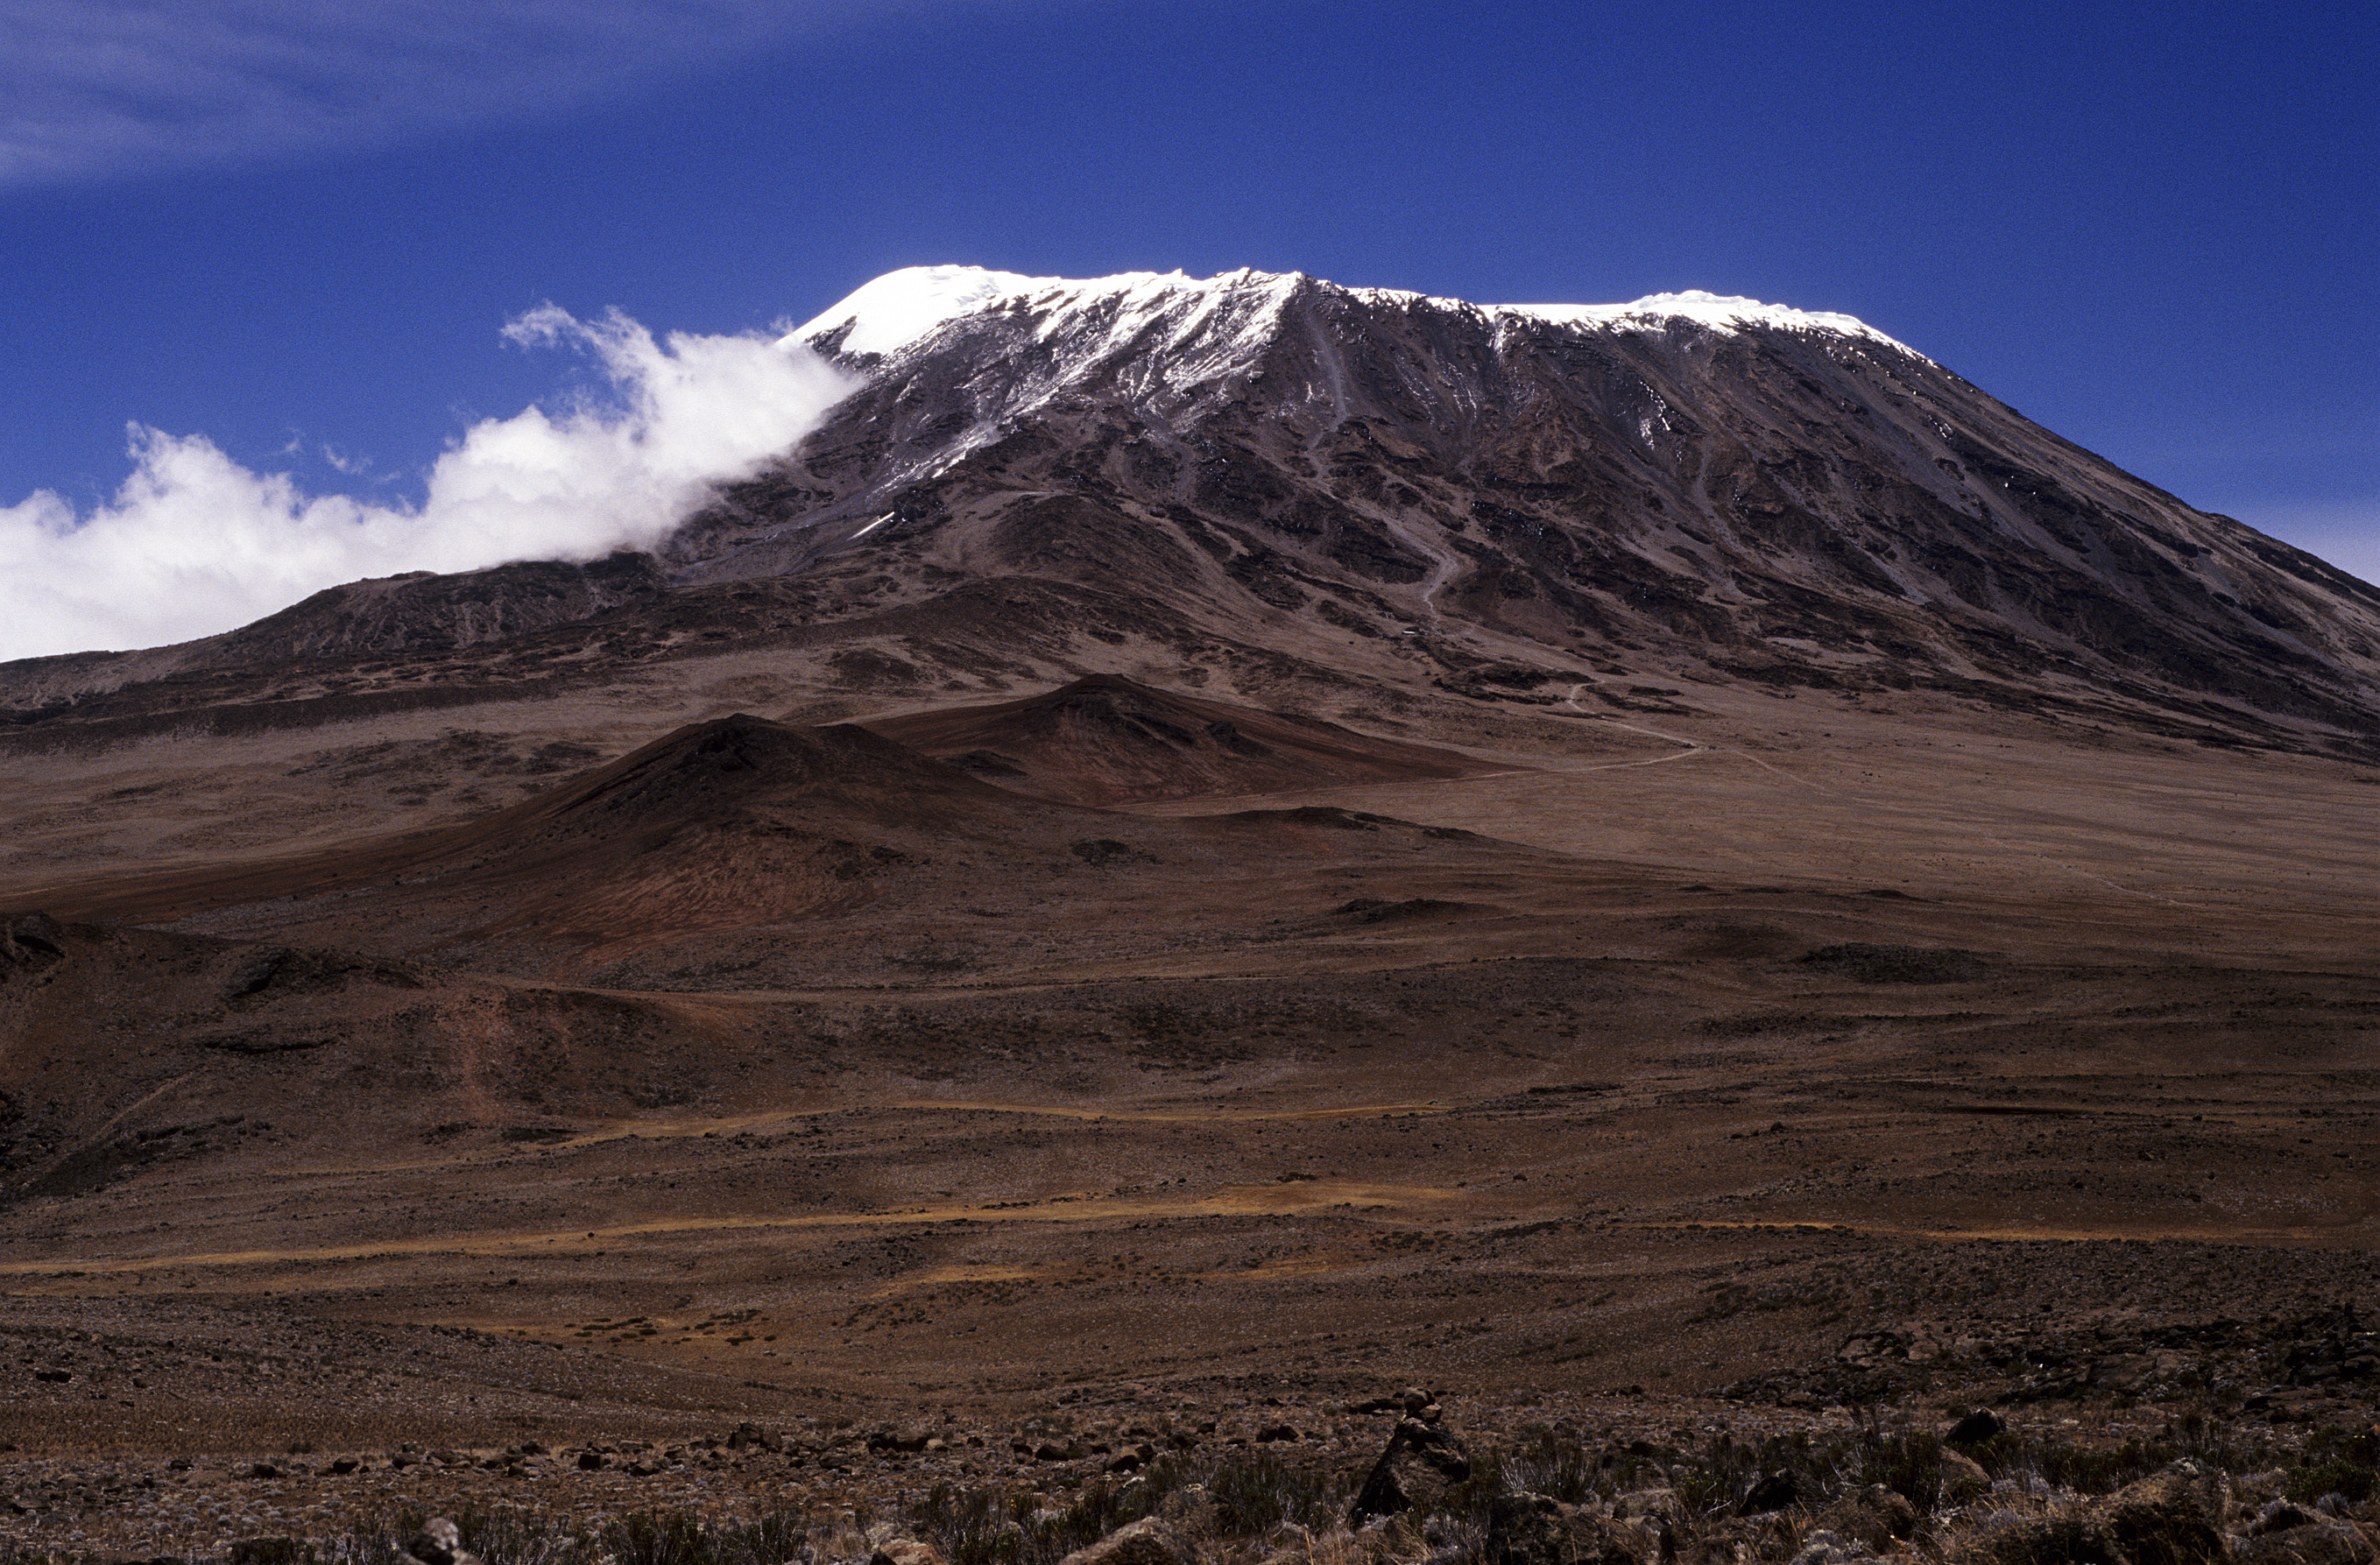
<point x="902" y="307"/>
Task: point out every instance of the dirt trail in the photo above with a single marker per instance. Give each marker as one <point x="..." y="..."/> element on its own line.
<point x="1301" y="1198"/>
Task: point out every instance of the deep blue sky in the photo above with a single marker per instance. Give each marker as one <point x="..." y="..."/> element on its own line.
<point x="2153" y="229"/>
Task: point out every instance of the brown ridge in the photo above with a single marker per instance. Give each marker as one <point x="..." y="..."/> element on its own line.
<point x="1106" y="740"/>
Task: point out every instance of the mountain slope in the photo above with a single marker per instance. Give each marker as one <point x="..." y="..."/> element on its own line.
<point x="743" y="825"/>
<point x="727" y="823"/>
<point x="1765" y="494"/>
<point x="1274" y="473"/>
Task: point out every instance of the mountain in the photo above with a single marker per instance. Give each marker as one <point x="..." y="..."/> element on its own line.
<point x="1748" y="492"/>
<point x="1282" y="481"/>
<point x="1202" y="846"/>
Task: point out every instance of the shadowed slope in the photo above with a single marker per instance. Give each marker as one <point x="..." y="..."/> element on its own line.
<point x="1106" y="740"/>
<point x="723" y="824"/>
<point x="743" y="825"/>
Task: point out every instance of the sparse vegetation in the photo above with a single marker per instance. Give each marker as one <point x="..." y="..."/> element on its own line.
<point x="1238" y="1505"/>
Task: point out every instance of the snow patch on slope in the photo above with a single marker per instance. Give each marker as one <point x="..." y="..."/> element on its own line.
<point x="888" y="314"/>
<point x="1720" y="313"/>
<point x="905" y="306"/>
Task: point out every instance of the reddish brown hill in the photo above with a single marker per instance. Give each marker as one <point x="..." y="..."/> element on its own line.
<point x="1106" y="740"/>
<point x="725" y="824"/>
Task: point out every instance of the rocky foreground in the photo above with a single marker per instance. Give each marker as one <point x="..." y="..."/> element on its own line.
<point x="2280" y="1475"/>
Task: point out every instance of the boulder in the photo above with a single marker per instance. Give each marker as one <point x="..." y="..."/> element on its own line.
<point x="2287" y="1533"/>
<point x="2171" y="1517"/>
<point x="1976" y="1427"/>
<point x="1422" y="1462"/>
<point x="1963" y="1479"/>
<point x="1650" y="1505"/>
<point x="267" y="1551"/>
<point x="905" y="1551"/>
<point x="2281" y="1516"/>
<point x="1874" y="1517"/>
<point x="33" y="941"/>
<point x="440" y="1542"/>
<point x="1146" y="1542"/>
<point x="1531" y="1529"/>
<point x="1780" y="1490"/>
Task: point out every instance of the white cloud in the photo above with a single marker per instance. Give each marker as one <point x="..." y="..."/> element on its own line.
<point x="95" y="88"/>
<point x="194" y="543"/>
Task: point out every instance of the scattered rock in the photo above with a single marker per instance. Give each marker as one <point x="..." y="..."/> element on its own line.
<point x="2320" y="1541"/>
<point x="272" y="1551"/>
<point x="1531" y="1529"/>
<point x="1824" y="1546"/>
<point x="751" y="1436"/>
<point x="2172" y="1517"/>
<point x="1146" y="1542"/>
<point x="1874" y="1517"/>
<point x="905" y="1551"/>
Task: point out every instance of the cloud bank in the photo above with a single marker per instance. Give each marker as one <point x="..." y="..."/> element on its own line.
<point x="194" y="543"/>
<point x="95" y="88"/>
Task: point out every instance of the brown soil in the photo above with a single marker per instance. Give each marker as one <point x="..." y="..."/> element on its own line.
<point x="1790" y="1052"/>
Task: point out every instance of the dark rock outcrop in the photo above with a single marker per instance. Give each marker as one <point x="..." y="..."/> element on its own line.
<point x="1975" y="1428"/>
<point x="1423" y="1459"/>
<point x="1872" y="1515"/>
<point x="1531" y="1529"/>
<point x="1775" y="1491"/>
